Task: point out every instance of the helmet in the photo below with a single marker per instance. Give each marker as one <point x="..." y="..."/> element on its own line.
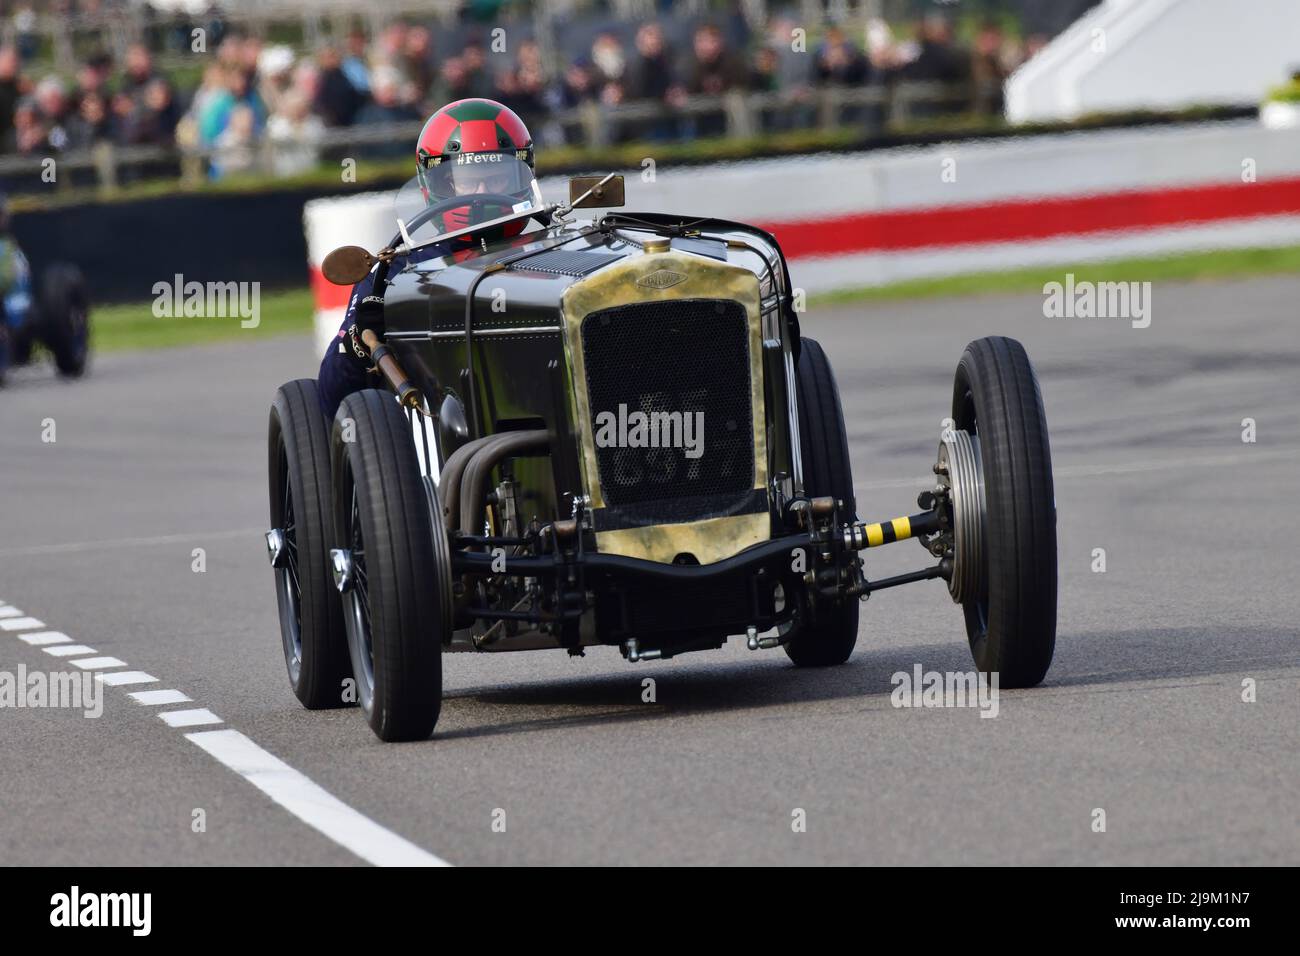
<point x="475" y="146"/>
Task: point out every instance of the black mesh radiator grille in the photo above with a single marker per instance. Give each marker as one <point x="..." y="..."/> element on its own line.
<point x="684" y="366"/>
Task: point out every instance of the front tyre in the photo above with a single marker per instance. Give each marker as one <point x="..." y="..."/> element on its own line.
<point x="1011" y="613"/>
<point x="311" y="618"/>
<point x="829" y="638"/>
<point x="397" y="579"/>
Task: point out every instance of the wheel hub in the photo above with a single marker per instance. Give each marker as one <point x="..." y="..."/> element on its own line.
<point x="961" y="470"/>
<point x="276" y="548"/>
<point x="341" y="568"/>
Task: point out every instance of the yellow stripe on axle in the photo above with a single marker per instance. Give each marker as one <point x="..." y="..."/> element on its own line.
<point x="899" y="529"/>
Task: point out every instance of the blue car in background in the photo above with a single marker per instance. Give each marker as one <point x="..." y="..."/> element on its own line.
<point x="56" y="313"/>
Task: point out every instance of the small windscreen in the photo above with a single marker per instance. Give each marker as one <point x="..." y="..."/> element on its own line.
<point x="467" y="174"/>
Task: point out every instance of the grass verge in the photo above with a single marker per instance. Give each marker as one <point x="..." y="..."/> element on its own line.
<point x="134" y="326"/>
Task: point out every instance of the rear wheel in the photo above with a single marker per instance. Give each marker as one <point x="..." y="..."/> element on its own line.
<point x="397" y="577"/>
<point x="829" y="638"/>
<point x="1010" y="604"/>
<point x="311" y="618"/>
<point x="65" y="317"/>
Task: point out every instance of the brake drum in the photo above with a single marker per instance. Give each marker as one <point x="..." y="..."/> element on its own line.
<point x="962" y="470"/>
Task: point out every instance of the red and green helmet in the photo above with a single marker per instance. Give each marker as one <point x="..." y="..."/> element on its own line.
<point x="474" y="145"/>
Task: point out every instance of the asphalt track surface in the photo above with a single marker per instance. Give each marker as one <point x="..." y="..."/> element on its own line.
<point x="1141" y="715"/>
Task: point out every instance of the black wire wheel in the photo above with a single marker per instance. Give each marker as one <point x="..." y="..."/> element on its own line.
<point x="1000" y="458"/>
<point x="395" y="577"/>
<point x="311" y="621"/>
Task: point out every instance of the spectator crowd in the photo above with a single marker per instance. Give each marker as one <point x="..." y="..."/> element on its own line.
<point x="250" y="93"/>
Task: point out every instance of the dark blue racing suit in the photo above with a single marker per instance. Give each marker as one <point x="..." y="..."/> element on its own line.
<point x="342" y="371"/>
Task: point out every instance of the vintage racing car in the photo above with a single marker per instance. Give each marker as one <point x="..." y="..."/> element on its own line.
<point x="56" y="313"/>
<point x="612" y="432"/>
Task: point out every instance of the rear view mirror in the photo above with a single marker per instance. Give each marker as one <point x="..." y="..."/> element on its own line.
<point x="347" y="265"/>
<point x="606" y="192"/>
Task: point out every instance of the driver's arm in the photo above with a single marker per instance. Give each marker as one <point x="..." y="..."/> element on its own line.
<point x="344" y="369"/>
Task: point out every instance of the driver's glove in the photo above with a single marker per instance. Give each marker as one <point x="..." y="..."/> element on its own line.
<point x="369" y="314"/>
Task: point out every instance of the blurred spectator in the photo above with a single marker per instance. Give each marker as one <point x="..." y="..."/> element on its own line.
<point x="650" y="74"/>
<point x="92" y="124"/>
<point x="236" y="95"/>
<point x="576" y="87"/>
<point x="765" y="74"/>
<point x="523" y="88"/>
<point x="937" y="61"/>
<point x="52" y="105"/>
<point x="478" y="80"/>
<point x="235" y="147"/>
<point x="610" y="62"/>
<point x="453" y="81"/>
<point x="28" y="136"/>
<point x="385" y="107"/>
<point x="9" y="91"/>
<point x="988" y="69"/>
<point x="138" y="70"/>
<point x="337" y="100"/>
<point x="295" y="134"/>
<point x="416" y="62"/>
<point x="793" y="66"/>
<point x="713" y="71"/>
<point x="92" y="78"/>
<point x="24" y="23"/>
<point x="152" y="121"/>
<point x="354" y="65"/>
<point x="839" y="62"/>
<point x="274" y="75"/>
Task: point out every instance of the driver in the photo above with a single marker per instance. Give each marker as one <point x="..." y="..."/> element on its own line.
<point x="473" y="147"/>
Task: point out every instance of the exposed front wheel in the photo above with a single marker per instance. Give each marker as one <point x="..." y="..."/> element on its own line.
<point x="395" y="577"/>
<point x="827" y="639"/>
<point x="311" y="621"/>
<point x="998" y="467"/>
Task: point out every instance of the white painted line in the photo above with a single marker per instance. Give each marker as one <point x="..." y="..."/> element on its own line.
<point x="156" y="696"/>
<point x="20" y="624"/>
<point x="98" y="663"/>
<point x="118" y="678"/>
<point x="45" y="637"/>
<point x="68" y="650"/>
<point x="310" y="803"/>
<point x="8" y="611"/>
<point x="190" y="718"/>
